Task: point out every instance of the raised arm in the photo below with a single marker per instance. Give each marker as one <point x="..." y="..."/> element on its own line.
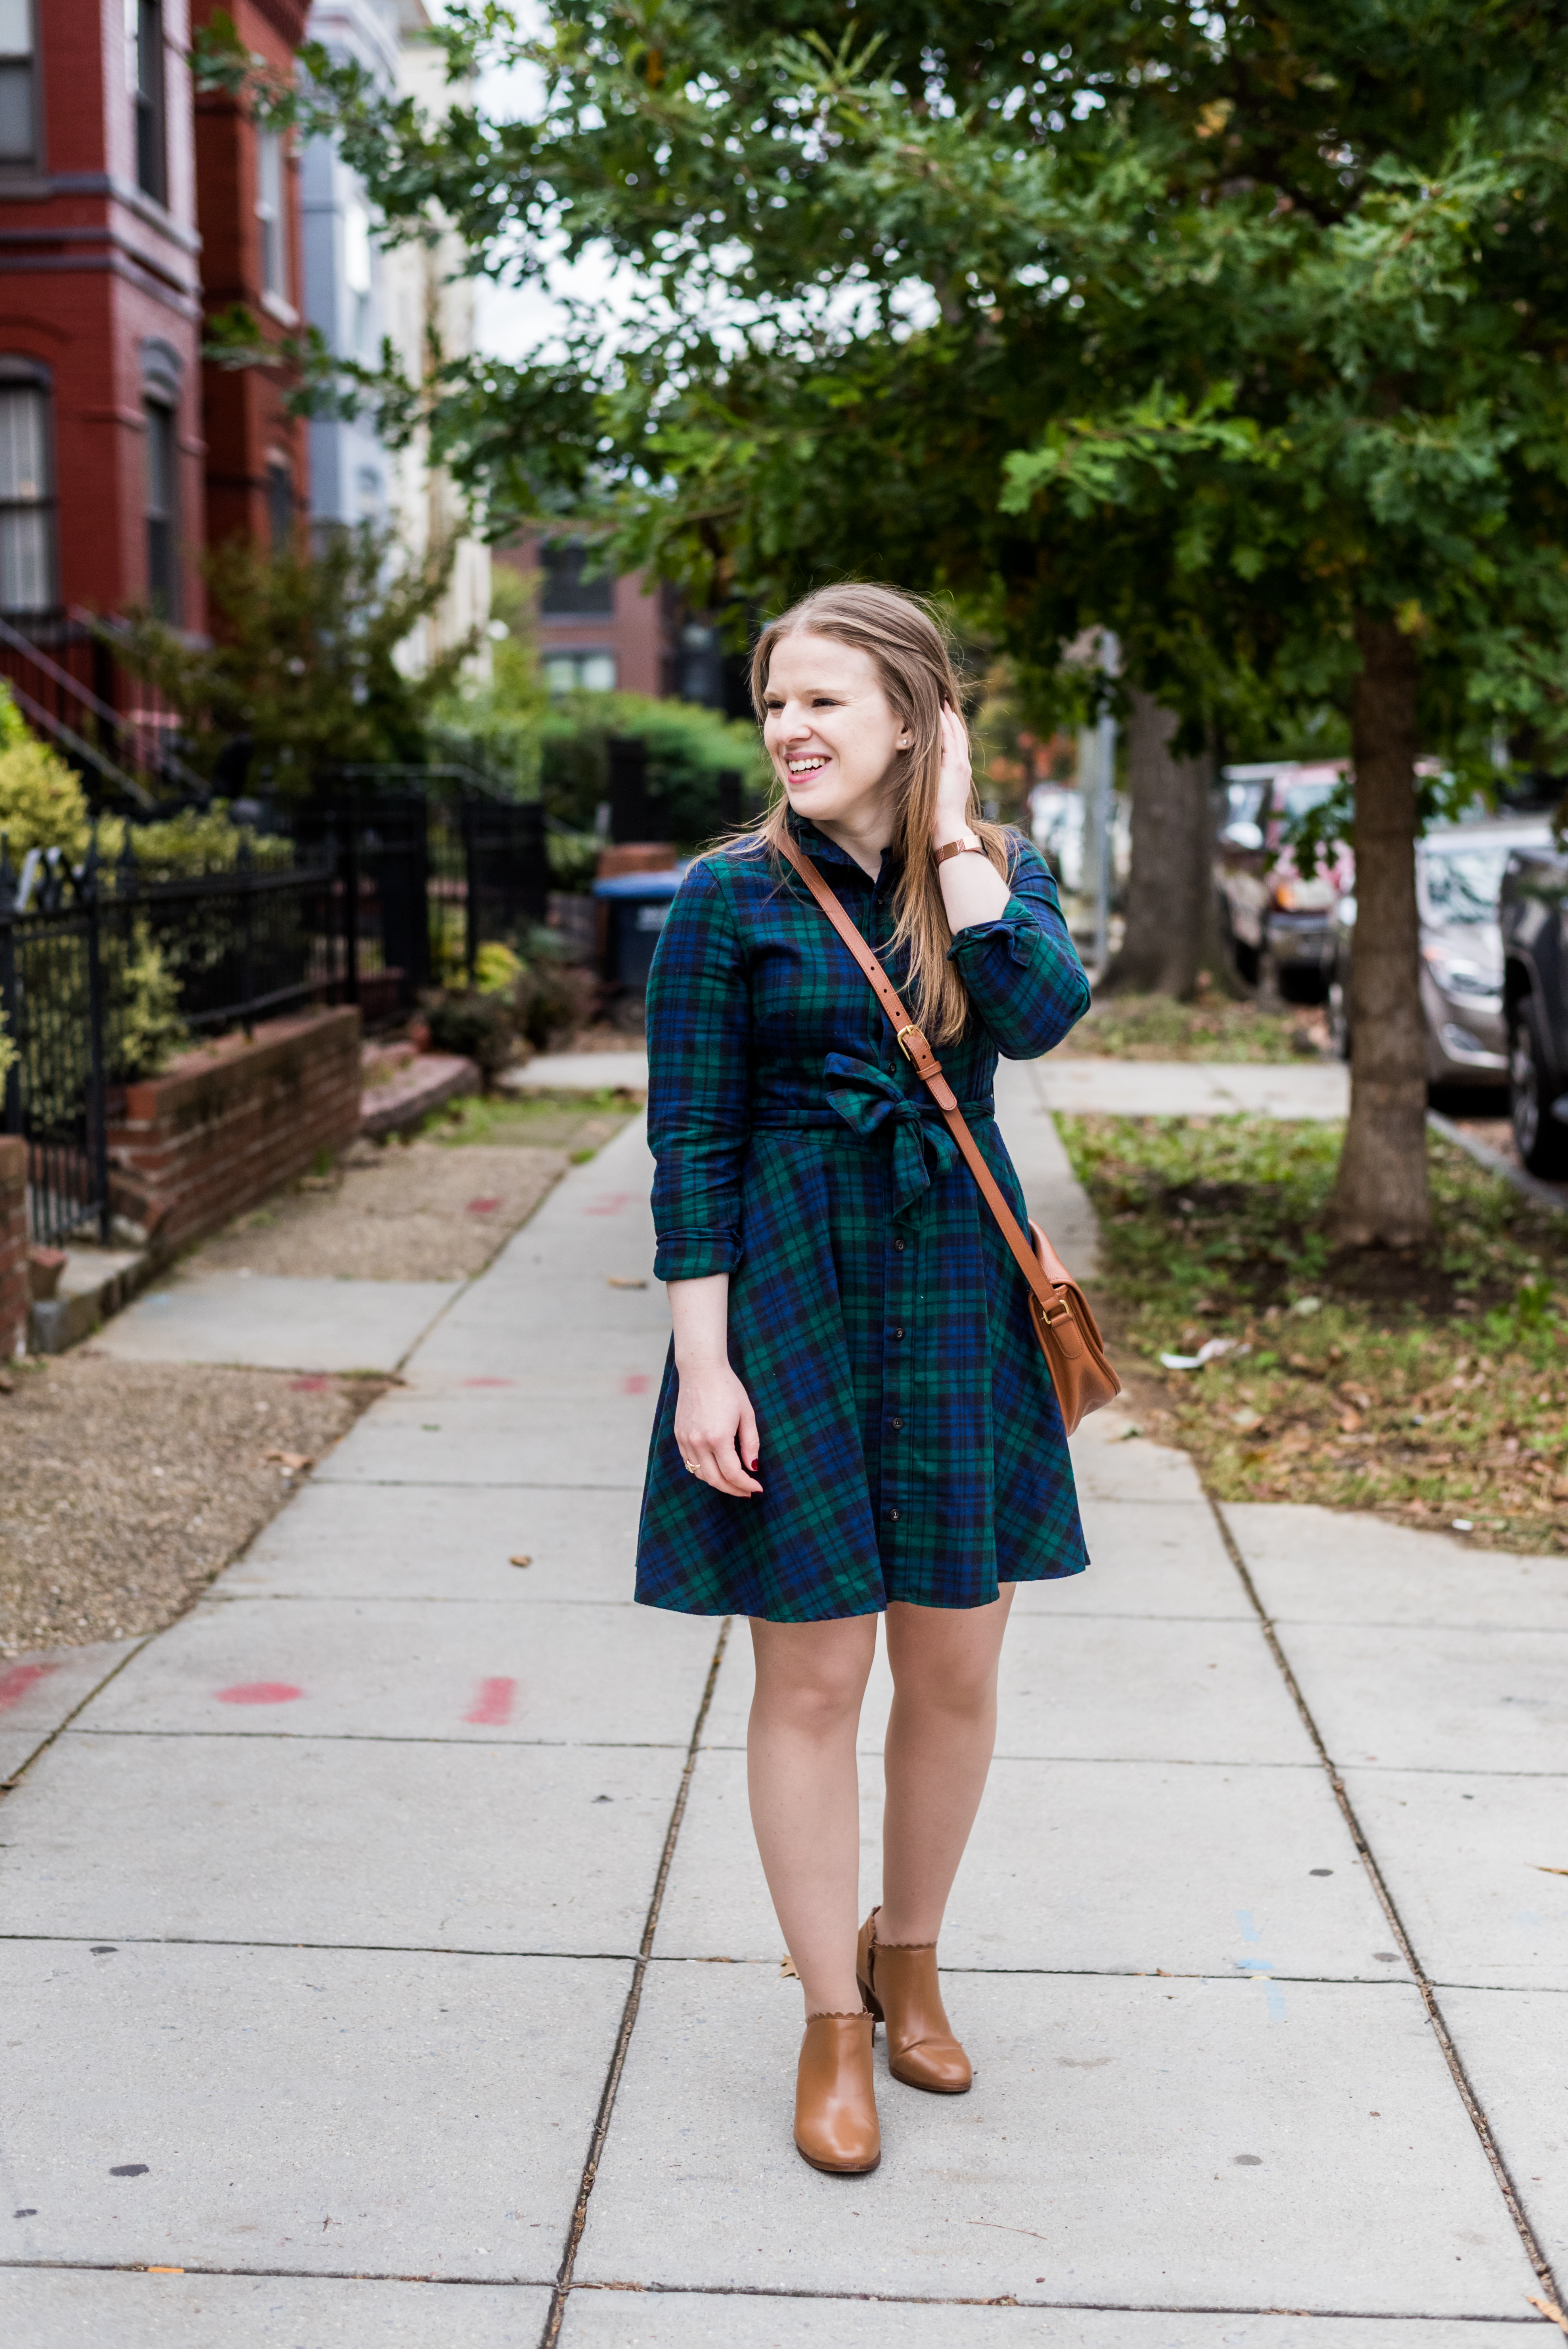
<point x="1020" y="967"/>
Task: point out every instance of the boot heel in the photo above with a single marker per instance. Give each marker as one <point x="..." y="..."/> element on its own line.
<point x="872" y="2004"/>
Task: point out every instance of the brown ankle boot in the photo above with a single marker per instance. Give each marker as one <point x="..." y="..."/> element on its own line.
<point x="835" y="2100"/>
<point x="900" y="1986"/>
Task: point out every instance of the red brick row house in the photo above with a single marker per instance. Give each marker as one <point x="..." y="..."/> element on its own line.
<point x="131" y="208"/>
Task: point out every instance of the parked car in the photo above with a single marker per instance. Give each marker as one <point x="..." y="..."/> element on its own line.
<point x="1268" y="910"/>
<point x="1533" y="920"/>
<point x="1459" y="873"/>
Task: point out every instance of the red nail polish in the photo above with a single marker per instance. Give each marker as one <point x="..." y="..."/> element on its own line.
<point x="754" y="1468"/>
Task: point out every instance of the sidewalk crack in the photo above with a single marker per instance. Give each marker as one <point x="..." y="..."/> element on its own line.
<point x="1435" y="2016"/>
<point x="552" y="2333"/>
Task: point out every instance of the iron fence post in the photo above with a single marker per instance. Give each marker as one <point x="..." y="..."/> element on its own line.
<point x="244" y="864"/>
<point x="12" y="1118"/>
<point x="469" y="822"/>
<point x="350" y="869"/>
<point x="96" y="1135"/>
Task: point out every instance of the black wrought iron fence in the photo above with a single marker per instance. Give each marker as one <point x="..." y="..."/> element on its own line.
<point x="387" y="889"/>
<point x="99" y="970"/>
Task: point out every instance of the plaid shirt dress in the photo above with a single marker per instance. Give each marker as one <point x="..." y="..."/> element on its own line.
<point x="911" y="1443"/>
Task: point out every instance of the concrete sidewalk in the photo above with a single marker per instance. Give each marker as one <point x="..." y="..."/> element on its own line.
<point x="383" y="1947"/>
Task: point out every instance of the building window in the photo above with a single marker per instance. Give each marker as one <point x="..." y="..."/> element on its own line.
<point x="28" y="568"/>
<point x="579" y="672"/>
<point x="162" y="485"/>
<point x="145" y="72"/>
<point x="567" y="595"/>
<point x="270" y="213"/>
<point x="18" y="90"/>
<point x="279" y="506"/>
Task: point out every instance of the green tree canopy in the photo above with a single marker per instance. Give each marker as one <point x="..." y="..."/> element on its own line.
<point x="1241" y="331"/>
<point x="302" y="674"/>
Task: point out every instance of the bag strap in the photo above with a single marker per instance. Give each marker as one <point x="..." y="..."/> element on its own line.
<point x="912" y="1042"/>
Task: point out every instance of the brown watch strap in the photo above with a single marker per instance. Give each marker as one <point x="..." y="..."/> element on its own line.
<point x="957" y="848"/>
<point x="928" y="1069"/>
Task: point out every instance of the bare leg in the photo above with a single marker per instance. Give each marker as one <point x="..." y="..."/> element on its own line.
<point x="940" y="1735"/>
<point x="805" y="1796"/>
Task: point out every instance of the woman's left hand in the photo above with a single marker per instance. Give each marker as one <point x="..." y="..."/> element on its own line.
<point x="955" y="785"/>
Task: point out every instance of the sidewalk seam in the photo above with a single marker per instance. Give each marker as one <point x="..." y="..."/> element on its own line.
<point x="1444" y="2037"/>
<point x="552" y="2323"/>
<point x="8" y="1785"/>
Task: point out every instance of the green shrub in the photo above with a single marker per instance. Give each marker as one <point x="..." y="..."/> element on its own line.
<point x="481" y="1028"/>
<point x="151" y="1030"/>
<point x="573" y="858"/>
<point x="553" y="996"/>
<point x="497" y="968"/>
<point x="689" y="748"/>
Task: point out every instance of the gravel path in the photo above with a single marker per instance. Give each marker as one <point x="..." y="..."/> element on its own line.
<point x="124" y="1488"/>
<point x="406" y="1212"/>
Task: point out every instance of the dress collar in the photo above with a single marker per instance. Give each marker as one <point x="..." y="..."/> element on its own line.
<point x="823" y="850"/>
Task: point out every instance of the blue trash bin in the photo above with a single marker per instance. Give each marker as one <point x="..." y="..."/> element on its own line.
<point x="636" y="903"/>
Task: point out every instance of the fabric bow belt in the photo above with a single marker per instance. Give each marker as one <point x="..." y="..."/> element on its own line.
<point x="867" y="1099"/>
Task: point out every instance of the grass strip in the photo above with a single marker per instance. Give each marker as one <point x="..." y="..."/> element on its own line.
<point x="1157" y="1027"/>
<point x="1427" y="1383"/>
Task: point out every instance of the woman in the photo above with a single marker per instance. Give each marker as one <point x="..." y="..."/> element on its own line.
<point x="856" y="1419"/>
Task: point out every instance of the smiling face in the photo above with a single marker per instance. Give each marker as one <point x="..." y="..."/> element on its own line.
<point x="834" y="739"/>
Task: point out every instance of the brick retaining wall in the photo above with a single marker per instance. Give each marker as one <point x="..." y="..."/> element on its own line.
<point x="224" y="1125"/>
<point x="14" y="1273"/>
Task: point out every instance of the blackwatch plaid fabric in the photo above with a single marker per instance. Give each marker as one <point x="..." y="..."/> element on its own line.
<point x="911" y="1443"/>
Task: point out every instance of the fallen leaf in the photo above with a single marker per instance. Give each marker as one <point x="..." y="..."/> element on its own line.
<point x="1541" y="1869"/>
<point x="787" y="1968"/>
<point x="1350" y="1422"/>
<point x="289" y="1462"/>
<point x="1548" y="2309"/>
<point x="521" y="1558"/>
<point x="615" y="1280"/>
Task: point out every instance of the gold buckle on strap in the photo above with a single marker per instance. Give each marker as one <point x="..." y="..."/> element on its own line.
<point x="910" y="1031"/>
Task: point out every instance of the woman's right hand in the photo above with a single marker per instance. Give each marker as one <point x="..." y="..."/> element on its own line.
<point x="715" y="1428"/>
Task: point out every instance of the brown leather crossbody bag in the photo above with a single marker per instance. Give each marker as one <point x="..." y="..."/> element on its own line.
<point x="1069" y="1335"/>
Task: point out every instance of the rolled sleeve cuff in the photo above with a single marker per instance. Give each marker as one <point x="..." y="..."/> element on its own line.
<point x="695" y="1255"/>
<point x="1019" y="927"/>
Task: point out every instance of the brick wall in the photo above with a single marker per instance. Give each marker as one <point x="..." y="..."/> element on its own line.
<point x="224" y="1125"/>
<point x="13" y="1276"/>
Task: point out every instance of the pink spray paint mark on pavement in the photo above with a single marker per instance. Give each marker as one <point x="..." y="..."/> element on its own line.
<point x="490" y="1382"/>
<point x="16" y="1683"/>
<point x="635" y="1382"/>
<point x="492" y="1707"/>
<point x="260" y="1693"/>
<point x="483" y="1207"/>
<point x="315" y="1384"/>
<point x="608" y="1202"/>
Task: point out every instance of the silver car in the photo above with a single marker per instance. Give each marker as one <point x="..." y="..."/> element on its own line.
<point x="1458" y="872"/>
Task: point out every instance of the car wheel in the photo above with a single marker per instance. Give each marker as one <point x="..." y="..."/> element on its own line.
<point x="1339" y="1017"/>
<point x="1541" y="1141"/>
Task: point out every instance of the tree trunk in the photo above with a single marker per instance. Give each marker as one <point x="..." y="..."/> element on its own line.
<point x="1171" y="931"/>
<point x="1380" y="1195"/>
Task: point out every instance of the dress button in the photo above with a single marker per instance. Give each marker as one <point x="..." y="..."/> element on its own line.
<point x="898" y="1422"/>
<point x="894" y="1514"/>
<point x="898" y="1334"/>
<point x="899" y="1245"/>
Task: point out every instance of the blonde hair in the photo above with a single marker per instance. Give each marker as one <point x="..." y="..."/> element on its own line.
<point x="914" y="665"/>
